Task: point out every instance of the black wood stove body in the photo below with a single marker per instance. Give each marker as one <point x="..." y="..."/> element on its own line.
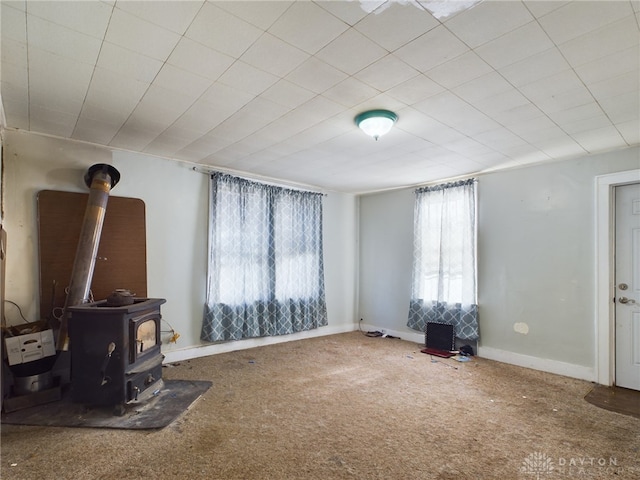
<point x="115" y="352"/>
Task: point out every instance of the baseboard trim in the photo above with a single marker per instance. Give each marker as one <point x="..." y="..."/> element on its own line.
<point x="190" y="353"/>
<point x="543" y="364"/>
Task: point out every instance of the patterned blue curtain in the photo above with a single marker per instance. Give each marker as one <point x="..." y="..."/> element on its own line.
<point x="444" y="262"/>
<point x="266" y="273"/>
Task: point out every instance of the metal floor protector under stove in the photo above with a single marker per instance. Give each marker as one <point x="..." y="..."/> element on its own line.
<point x="159" y="411"/>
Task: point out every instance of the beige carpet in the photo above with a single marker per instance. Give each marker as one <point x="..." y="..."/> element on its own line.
<point x="353" y="407"/>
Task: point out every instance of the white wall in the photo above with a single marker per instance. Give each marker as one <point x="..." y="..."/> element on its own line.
<point x="176" y="222"/>
<point x="536" y="262"/>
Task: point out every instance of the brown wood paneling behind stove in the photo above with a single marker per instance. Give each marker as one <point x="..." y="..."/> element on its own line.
<point x="122" y="257"/>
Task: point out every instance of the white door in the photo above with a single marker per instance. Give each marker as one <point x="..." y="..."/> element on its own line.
<point x="627" y="287"/>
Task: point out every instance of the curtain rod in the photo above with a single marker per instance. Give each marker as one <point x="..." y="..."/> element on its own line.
<point x="260" y="178"/>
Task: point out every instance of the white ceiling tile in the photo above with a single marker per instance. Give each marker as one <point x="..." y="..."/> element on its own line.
<point x="539" y="123"/>
<point x="142" y="121"/>
<point x="479" y="24"/>
<point x="163" y="105"/>
<point x="113" y="92"/>
<point x="561" y="147"/>
<point x="222" y="31"/>
<point x="565" y="100"/>
<point x="526" y="154"/>
<point x="204" y="104"/>
<point x="603" y="42"/>
<point x="541" y="7"/>
<point x="227" y="98"/>
<point x="90" y="18"/>
<point x="18" y="111"/>
<point x="514" y="46"/>
<point x="172" y="15"/>
<point x="535" y="67"/>
<point x="196" y="58"/>
<point x="349" y="12"/>
<point x="599" y="140"/>
<point x="128" y="63"/>
<point x="15" y="73"/>
<point x="501" y="102"/>
<point x="13" y="23"/>
<point x="20" y="5"/>
<point x="287" y="93"/>
<point x="56" y="82"/>
<point x="381" y="100"/>
<point x="98" y="114"/>
<point x="273" y="55"/>
<point x="166" y="143"/>
<point x="55" y="122"/>
<point x="622" y="108"/>
<point x="14" y="53"/>
<point x="62" y="41"/>
<point x="577" y="18"/>
<point x="133" y="138"/>
<point x="95" y="131"/>
<point x="201" y="147"/>
<point x="550" y="86"/>
<point x="321" y="132"/>
<point x="459" y="70"/>
<point x="351" y="52"/>
<point x="382" y="27"/>
<point x="547" y="136"/>
<point x="630" y="132"/>
<point x="517" y="115"/>
<point x="298" y="26"/>
<point x="316" y="76"/>
<point x="350" y="92"/>
<point x="386" y="73"/>
<point x="611" y="66"/>
<point x="246" y="78"/>
<point x="484" y="86"/>
<point x="586" y="124"/>
<point x="259" y="13"/>
<point x="588" y="110"/>
<point x="252" y="117"/>
<point x="468" y="147"/>
<point x="319" y="108"/>
<point x="135" y="34"/>
<point x="431" y="49"/>
<point x="204" y="116"/>
<point x="499" y="139"/>
<point x="179" y="80"/>
<point x="625" y="83"/>
<point x="416" y="89"/>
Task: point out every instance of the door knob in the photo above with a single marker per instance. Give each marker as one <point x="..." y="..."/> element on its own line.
<point x="626" y="300"/>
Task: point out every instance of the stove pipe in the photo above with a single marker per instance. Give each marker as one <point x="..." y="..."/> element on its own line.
<point x="100" y="178"/>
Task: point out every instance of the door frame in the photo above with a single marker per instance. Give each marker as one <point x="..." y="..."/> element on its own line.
<point x="605" y="249"/>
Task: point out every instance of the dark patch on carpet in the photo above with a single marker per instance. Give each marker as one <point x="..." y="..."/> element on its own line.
<point x="615" y="399"/>
<point x="174" y="398"/>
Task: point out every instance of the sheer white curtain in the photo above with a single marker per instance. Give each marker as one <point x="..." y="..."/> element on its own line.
<point x="265" y="273"/>
<point x="444" y="264"/>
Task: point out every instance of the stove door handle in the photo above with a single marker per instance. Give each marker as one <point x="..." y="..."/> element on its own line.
<point x="105" y="363"/>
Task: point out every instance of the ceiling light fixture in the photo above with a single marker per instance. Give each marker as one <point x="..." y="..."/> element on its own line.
<point x="376" y="123"/>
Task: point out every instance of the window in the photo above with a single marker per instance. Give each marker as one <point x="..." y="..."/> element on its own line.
<point x="266" y="273"/>
<point x="444" y="265"/>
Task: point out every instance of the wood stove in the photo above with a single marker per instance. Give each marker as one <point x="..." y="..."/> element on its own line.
<point x="115" y="352"/>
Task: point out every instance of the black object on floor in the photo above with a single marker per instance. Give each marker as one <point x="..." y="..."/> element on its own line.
<point x="172" y="400"/>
